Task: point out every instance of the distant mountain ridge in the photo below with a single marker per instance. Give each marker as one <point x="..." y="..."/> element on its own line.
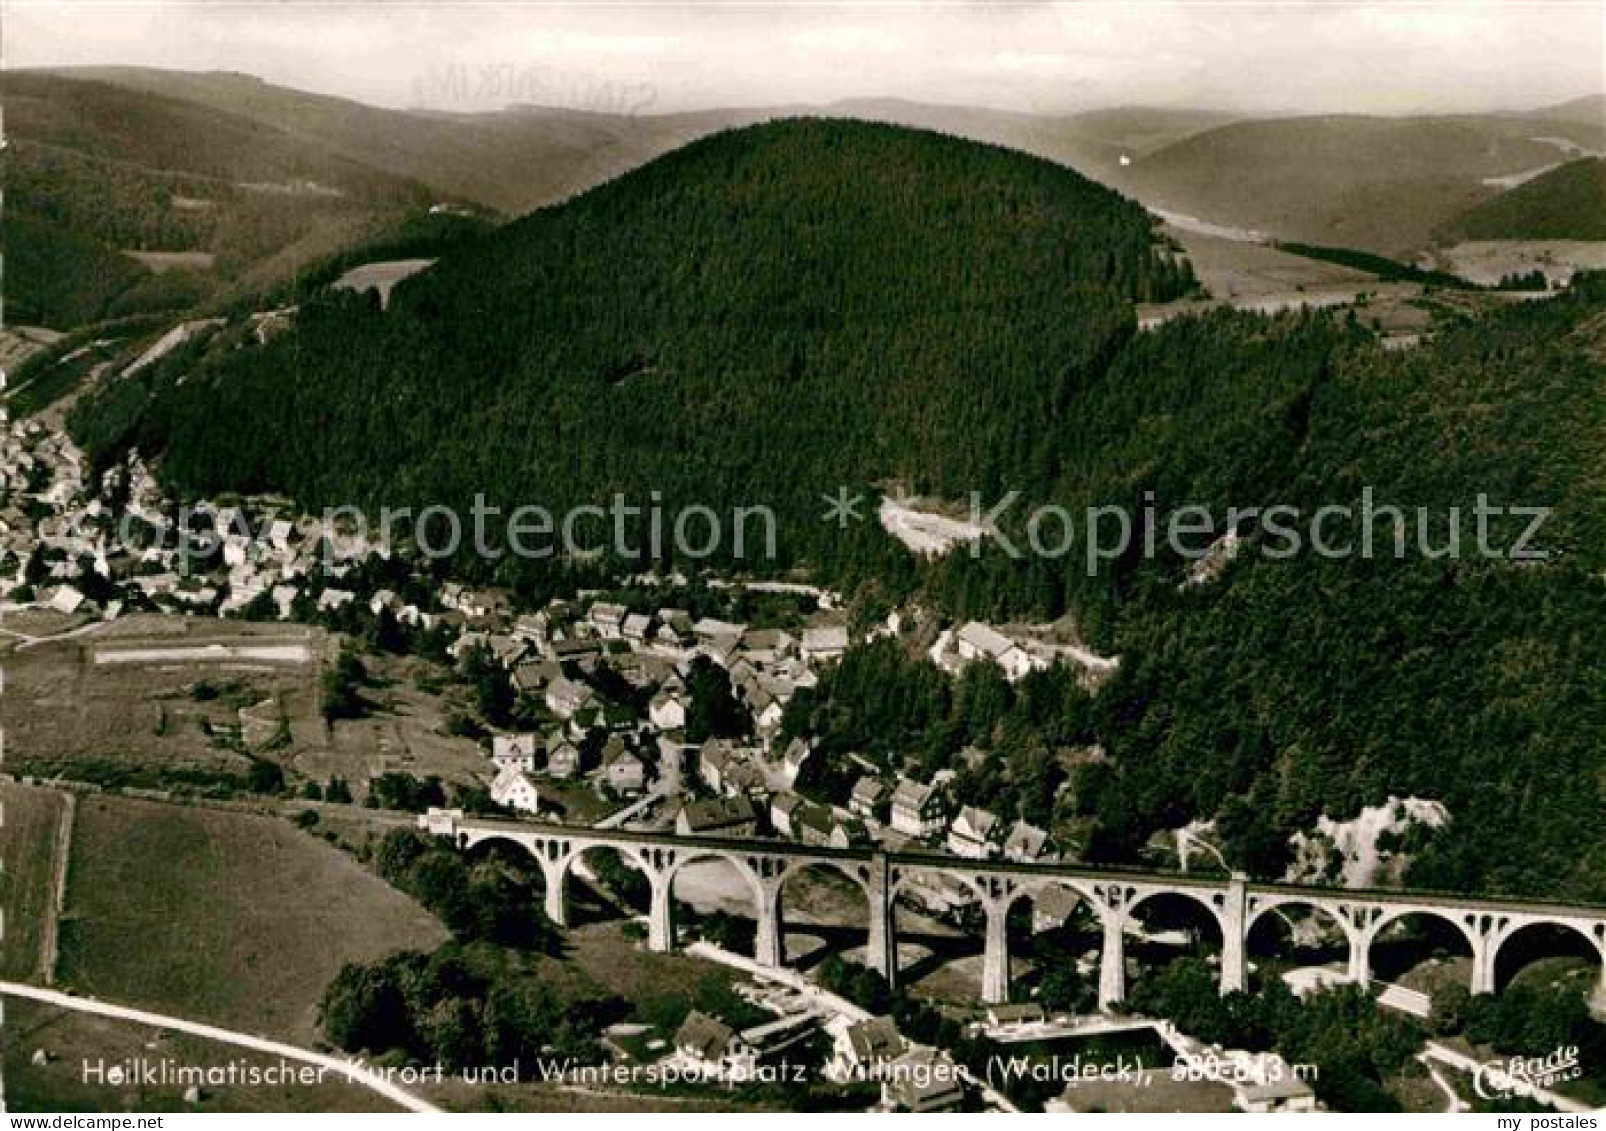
<point x="108" y="160"/>
<point x="1567" y="203"/>
<point x="1380" y="184"/>
<point x="96" y="171"/>
<point x="526" y="156"/>
<point x="1588" y="111"/>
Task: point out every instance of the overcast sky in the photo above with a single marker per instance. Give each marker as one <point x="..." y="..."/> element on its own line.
<point x="1300" y="56"/>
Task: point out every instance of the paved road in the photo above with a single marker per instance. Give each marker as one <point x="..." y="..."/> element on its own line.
<point x="50" y="933"/>
<point x="359" y="1076"/>
<point x="1454" y="1103"/>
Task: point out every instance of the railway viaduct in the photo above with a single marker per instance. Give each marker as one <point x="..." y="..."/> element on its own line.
<point x="1114" y="895"/>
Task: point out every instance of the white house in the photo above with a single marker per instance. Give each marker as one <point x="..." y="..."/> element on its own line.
<point x="797" y="752"/>
<point x="65" y="600"/>
<point x="917" y="809"/>
<point x="1026" y="843"/>
<point x="608" y="619"/>
<point x="977" y="641"/>
<point x="334" y="599"/>
<point x="667" y="710"/>
<point x="516" y="789"/>
<point x="973" y="834"/>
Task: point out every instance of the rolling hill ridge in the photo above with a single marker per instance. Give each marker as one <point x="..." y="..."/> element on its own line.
<point x="98" y="175"/>
<point x="1379" y="184"/>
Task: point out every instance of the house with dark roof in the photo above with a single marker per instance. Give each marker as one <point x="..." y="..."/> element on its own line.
<point x="563" y="759"/>
<point x="532" y="677"/>
<point x="565" y="697"/>
<point x="1052" y="907"/>
<point x="922" y="1079"/>
<point x="714" y="1047"/>
<point x="766" y="645"/>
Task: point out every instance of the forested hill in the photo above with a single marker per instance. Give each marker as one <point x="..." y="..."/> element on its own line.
<point x="755" y="318"/>
<point x="99" y="174"/>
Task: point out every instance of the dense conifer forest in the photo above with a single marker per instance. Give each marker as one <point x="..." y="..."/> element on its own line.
<point x="770" y="313"/>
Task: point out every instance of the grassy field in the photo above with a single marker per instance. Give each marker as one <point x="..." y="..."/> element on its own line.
<point x="1253" y="276"/>
<point x="69" y="1039"/>
<point x="161" y="721"/>
<point x="28" y="850"/>
<point x="600" y="959"/>
<point x="405" y="731"/>
<point x="224" y="917"/>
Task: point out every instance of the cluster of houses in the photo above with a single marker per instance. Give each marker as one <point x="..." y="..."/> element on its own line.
<point x="71" y="550"/>
<point x="720" y="787"/>
<point x="44" y="520"/>
<point x="599" y="668"/>
<point x="572" y="657"/>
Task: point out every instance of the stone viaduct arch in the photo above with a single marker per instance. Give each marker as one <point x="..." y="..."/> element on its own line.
<point x="855" y="873"/>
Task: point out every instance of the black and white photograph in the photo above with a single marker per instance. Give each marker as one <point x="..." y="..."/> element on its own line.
<point x="769" y="556"/>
